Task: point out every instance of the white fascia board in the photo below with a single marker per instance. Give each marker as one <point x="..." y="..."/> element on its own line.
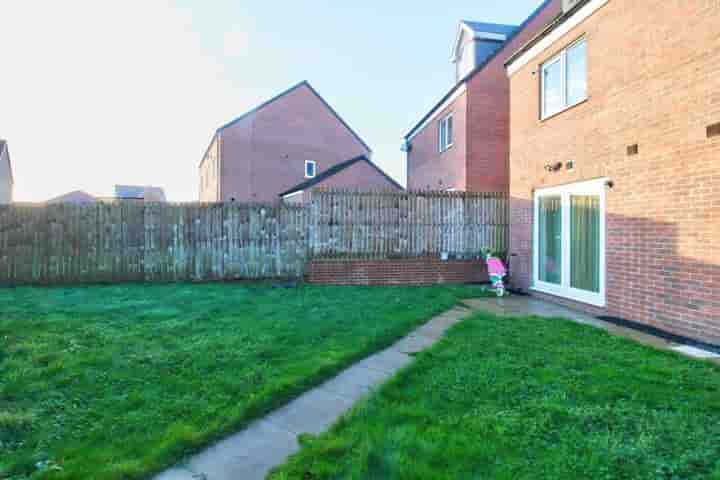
<point x="289" y="195"/>
<point x="490" y="36"/>
<point x="456" y="46"/>
<point x="572" y="22"/>
<point x="460" y="91"/>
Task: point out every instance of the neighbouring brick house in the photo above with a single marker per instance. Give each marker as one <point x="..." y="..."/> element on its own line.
<point x="462" y="143"/>
<point x="278" y="146"/>
<point x="343" y="175"/>
<point x="615" y="162"/>
<point x="6" y="175"/>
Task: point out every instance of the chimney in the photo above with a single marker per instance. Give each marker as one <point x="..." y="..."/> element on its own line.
<point x="568" y="5"/>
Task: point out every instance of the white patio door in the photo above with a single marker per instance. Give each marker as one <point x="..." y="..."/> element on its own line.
<point x="569" y="241"/>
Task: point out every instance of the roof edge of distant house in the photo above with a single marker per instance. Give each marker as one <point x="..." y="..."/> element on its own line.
<point x="335" y="169"/>
<point x="277" y="97"/>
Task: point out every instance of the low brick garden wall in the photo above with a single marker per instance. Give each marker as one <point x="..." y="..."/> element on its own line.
<point x="415" y="271"/>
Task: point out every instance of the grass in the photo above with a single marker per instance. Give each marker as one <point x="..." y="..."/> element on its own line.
<point x="118" y="382"/>
<point x="528" y="398"/>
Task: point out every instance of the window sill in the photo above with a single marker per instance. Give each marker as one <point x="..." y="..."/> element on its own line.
<point x="559" y="112"/>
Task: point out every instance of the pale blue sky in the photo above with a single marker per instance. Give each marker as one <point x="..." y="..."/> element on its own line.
<point x="112" y="92"/>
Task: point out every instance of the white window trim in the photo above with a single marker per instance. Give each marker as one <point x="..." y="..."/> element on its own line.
<point x="442" y="147"/>
<point x="562" y="58"/>
<point x="590" y="187"/>
<point x="314" y="167"/>
<point x="579" y="17"/>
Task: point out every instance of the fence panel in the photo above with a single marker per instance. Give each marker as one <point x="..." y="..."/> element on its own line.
<point x="135" y="241"/>
<point x="392" y="225"/>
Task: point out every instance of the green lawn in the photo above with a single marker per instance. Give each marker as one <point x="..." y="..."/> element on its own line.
<point x="528" y="398"/>
<point x="116" y="382"/>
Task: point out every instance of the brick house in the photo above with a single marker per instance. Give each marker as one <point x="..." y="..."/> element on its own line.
<point x="288" y="140"/>
<point x="615" y="162"/>
<point x="462" y="143"/>
<point x="6" y="175"/>
<point x="345" y="175"/>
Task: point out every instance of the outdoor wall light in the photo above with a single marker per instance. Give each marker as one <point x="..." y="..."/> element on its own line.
<point x="610" y="184"/>
<point x="553" y="167"/>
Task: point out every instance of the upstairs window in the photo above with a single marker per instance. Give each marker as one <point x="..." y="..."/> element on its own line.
<point x="445" y="133"/>
<point x="564" y="80"/>
<point x="310" y="169"/>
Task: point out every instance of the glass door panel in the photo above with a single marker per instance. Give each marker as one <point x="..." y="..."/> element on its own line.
<point x="585" y="242"/>
<point x="550" y="239"/>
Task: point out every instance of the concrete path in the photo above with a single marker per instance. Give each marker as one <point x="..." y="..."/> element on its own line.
<point x="266" y="443"/>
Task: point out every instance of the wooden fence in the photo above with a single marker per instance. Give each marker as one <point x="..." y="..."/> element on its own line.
<point x="132" y="241"/>
<point x="408" y="224"/>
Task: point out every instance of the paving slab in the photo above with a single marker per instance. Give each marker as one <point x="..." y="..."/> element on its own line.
<point x="415" y="343"/>
<point x="312" y="412"/>
<point x="388" y="361"/>
<point x="248" y="455"/>
<point x="355" y="382"/>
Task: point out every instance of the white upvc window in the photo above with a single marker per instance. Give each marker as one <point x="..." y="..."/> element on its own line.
<point x="569" y="241"/>
<point x="445" y="133"/>
<point x="563" y="80"/>
<point x="310" y="169"/>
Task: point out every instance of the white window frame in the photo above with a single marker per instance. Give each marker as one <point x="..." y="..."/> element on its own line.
<point x="314" y="168"/>
<point x="562" y="58"/>
<point x="445" y="141"/>
<point x="590" y="187"/>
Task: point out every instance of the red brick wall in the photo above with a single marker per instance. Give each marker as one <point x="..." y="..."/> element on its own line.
<point x="264" y="154"/>
<point x="430" y="169"/>
<point x="488" y="111"/>
<point x="653" y="80"/>
<point x="419" y="271"/>
<point x="358" y="175"/>
<point x="478" y="162"/>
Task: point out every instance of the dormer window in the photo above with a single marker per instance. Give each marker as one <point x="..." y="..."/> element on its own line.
<point x="475" y="43"/>
<point x="310" y="169"/>
<point x="445" y="133"/>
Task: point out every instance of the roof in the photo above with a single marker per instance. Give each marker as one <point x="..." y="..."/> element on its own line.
<point x="552" y="25"/>
<point x="481" y="66"/>
<point x="135" y="192"/>
<point x="76" y="196"/>
<point x="277" y="97"/>
<point x="484" y="27"/>
<point x="3" y="148"/>
<point x="335" y="170"/>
